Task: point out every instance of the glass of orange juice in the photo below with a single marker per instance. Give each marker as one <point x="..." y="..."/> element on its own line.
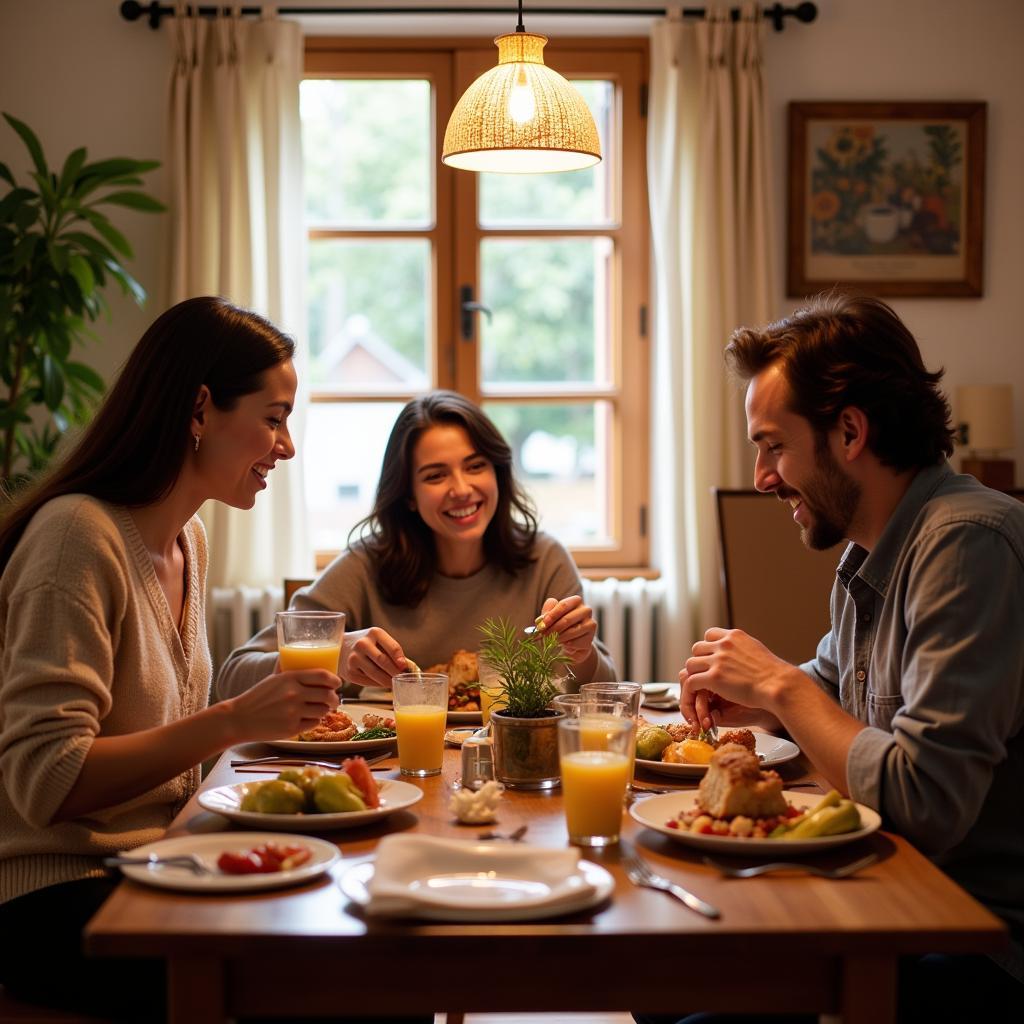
<point x="421" y="710"/>
<point x="310" y="639"/>
<point x="491" y="689"/>
<point x="630" y="694"/>
<point x="594" y="780"/>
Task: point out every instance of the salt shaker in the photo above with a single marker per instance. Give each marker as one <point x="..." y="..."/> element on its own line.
<point x="477" y="761"/>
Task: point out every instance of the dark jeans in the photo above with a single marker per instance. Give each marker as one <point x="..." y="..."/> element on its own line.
<point x="41" y="960"/>
<point x="933" y="989"/>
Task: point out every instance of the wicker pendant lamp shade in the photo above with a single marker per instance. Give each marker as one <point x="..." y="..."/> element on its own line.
<point x="521" y="117"/>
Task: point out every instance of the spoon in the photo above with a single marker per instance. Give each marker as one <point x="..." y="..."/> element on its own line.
<point x="537" y="627"/>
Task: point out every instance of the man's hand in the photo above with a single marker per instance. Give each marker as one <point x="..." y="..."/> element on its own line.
<point x="730" y="673"/>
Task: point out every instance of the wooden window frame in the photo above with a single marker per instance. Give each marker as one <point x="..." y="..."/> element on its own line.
<point x="454" y="237"/>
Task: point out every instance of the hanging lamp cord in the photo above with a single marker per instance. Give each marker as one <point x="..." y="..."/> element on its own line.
<point x="519" y="27"/>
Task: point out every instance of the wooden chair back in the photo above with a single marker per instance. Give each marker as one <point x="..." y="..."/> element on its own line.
<point x="776" y="589"/>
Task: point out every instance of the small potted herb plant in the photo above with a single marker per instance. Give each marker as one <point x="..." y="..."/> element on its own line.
<point x="524" y="729"/>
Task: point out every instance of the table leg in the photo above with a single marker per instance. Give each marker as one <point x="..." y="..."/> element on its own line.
<point x="867" y="991"/>
<point x="195" y="990"/>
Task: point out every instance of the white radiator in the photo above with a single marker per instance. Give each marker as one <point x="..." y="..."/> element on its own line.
<point x="235" y="614"/>
<point x="627" y="614"/>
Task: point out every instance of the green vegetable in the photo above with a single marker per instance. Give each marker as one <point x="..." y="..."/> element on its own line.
<point x="378" y="732"/>
<point x="337" y="792"/>
<point x="828" y="821"/>
<point x="278" y="797"/>
<point x="651" y="743"/>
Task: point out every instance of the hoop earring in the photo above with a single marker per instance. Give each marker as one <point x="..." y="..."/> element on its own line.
<point x="196" y="438"/>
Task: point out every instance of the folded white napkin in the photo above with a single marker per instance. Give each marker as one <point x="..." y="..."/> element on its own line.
<point x="412" y="872"/>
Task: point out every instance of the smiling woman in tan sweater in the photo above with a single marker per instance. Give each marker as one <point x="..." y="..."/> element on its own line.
<point x="104" y="665"/>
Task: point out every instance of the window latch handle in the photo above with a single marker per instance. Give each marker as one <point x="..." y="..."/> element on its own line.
<point x="469" y="307"/>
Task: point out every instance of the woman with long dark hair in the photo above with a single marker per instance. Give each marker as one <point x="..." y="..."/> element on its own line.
<point x="452" y="540"/>
<point x="104" y="665"/>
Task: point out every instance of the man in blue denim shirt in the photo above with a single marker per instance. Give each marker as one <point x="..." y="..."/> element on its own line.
<point x="914" y="702"/>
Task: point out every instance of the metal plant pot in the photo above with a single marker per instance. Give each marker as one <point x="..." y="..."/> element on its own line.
<point x="526" y="750"/>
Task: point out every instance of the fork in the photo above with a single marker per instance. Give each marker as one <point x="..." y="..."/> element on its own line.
<point x="183" y="860"/>
<point x="762" y="869"/>
<point x="639" y="873"/>
<point x="512" y="837"/>
<point x="276" y="759"/>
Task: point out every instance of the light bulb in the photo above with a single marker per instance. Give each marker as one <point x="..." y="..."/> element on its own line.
<point x="521" y="104"/>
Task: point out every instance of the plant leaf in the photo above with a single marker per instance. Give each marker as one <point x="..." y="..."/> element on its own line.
<point x="128" y="283"/>
<point x="15" y="198"/>
<point x="52" y="381"/>
<point x="31" y="143"/>
<point x="72" y="166"/>
<point x="134" y="200"/>
<point x="82" y="273"/>
<point x="108" y="231"/>
<point x="86" y="375"/>
<point x="5" y="173"/>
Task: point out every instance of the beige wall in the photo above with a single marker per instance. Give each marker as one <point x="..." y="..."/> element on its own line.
<point x="79" y="74"/>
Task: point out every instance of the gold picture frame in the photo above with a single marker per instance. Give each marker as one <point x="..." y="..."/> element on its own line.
<point x="886" y="198"/>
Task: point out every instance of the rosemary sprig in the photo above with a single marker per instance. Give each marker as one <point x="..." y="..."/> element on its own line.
<point x="527" y="665"/>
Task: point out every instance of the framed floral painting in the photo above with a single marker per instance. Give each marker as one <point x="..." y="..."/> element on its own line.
<point x="886" y="198"/>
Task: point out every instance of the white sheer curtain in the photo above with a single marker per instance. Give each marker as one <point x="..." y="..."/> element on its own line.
<point x="235" y="168"/>
<point x="708" y="168"/>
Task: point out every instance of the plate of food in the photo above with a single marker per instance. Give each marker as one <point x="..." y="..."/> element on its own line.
<point x="742" y="809"/>
<point x="349" y="729"/>
<point x="312" y="799"/>
<point x="224" y="863"/>
<point x="676" y="748"/>
<point x="463" y="671"/>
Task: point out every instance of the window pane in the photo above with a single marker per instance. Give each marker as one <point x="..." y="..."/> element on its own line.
<point x="562" y="457"/>
<point x="342" y="457"/>
<point x="569" y="197"/>
<point x="366" y="150"/>
<point x="550" y="299"/>
<point x="369" y="312"/>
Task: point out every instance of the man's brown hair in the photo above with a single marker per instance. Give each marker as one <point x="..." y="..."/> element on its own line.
<point x="841" y="350"/>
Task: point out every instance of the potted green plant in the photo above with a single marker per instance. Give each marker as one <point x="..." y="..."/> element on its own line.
<point x="524" y="729"/>
<point x="58" y="251"/>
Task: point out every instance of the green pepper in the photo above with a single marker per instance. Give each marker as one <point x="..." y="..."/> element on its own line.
<point x="829" y="821"/>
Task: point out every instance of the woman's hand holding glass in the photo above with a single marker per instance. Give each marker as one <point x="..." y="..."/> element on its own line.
<point x="574" y="623"/>
<point x="283" y="704"/>
<point x="371" y="657"/>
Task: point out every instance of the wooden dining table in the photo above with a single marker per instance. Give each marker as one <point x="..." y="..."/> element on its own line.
<point x="783" y="943"/>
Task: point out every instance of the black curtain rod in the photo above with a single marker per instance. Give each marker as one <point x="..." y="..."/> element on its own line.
<point x="132" y="10"/>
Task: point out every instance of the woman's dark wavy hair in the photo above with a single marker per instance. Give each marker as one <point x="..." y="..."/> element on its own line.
<point x="400" y="544"/>
<point x="841" y="350"/>
<point x="133" y="451"/>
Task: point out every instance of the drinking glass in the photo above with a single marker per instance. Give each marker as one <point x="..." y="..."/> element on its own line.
<point x="491" y="690"/>
<point x="595" y="774"/>
<point x="421" y="710"/>
<point x="310" y="640"/>
<point x="631" y="694"/>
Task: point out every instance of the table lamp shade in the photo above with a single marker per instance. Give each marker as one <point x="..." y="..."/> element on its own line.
<point x="521" y="117"/>
<point x="987" y="410"/>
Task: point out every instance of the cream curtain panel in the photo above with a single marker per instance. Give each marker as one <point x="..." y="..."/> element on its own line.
<point x="708" y="168"/>
<point x="235" y="168"/>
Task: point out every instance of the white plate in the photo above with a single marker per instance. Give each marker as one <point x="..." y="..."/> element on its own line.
<point x="655" y="689"/>
<point x="456" y="737"/>
<point x="595" y="886"/>
<point x="656" y="811"/>
<point x="355" y="712"/>
<point x="771" y="750"/>
<point x="210" y="846"/>
<point x="226" y="800"/>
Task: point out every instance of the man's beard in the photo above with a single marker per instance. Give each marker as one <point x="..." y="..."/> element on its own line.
<point x="834" y="505"/>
